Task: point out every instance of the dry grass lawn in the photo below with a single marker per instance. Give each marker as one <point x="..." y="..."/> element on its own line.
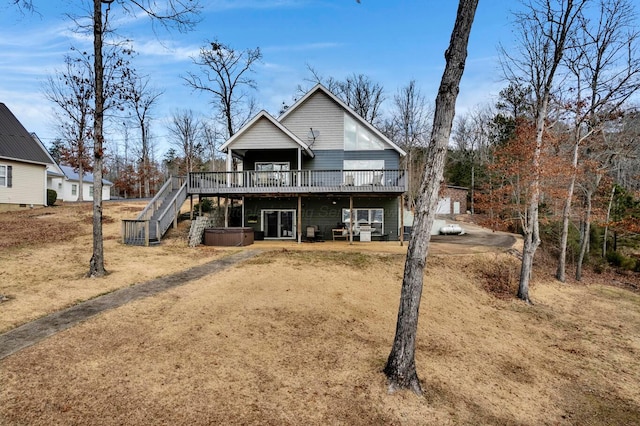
<point x="299" y="335"/>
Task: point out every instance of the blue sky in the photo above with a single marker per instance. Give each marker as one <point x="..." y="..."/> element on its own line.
<point x="392" y="42"/>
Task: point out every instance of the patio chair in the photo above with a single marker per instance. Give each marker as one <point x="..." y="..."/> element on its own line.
<point x="313" y="233"/>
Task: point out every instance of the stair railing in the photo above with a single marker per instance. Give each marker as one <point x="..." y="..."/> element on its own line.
<point x="138" y="231"/>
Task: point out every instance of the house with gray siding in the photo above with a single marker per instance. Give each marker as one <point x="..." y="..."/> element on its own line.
<point x="318" y="165"/>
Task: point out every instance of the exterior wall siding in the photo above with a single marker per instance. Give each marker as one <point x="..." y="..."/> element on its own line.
<point x="28" y="186"/>
<point x="333" y="159"/>
<point x="264" y="135"/>
<point x="66" y="193"/>
<point x="323" y="213"/>
<point x="276" y="155"/>
<point x="320" y="113"/>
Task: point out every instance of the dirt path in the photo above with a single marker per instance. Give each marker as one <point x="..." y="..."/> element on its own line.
<point x="34" y="331"/>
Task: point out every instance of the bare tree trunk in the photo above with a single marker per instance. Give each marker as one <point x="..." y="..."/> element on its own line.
<point x="566" y="213"/>
<point x="531" y="243"/>
<point x="584" y="240"/>
<point x="80" y="182"/>
<point x="606" y="227"/>
<point x="400" y="368"/>
<point x="96" y="264"/>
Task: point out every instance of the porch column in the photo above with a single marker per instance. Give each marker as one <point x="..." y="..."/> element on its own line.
<point x="191" y="207"/>
<point x="350" y="219"/>
<point x="299" y="177"/>
<point x="242" y="211"/>
<point x="299" y="219"/>
<point x="401" y="220"/>
<point x="226" y="211"/>
<point x="229" y="166"/>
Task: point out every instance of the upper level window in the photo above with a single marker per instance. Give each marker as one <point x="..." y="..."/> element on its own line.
<point x="272" y="173"/>
<point x="358" y="138"/>
<point x="3" y="175"/>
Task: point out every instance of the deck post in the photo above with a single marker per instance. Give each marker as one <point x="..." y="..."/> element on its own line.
<point x="226" y="211"/>
<point x="191" y="207"/>
<point x="350" y="219"/>
<point x="176" y="210"/>
<point x="124" y="232"/>
<point x="242" y="225"/>
<point x="401" y="221"/>
<point x="299" y="219"/>
<point x="146" y="233"/>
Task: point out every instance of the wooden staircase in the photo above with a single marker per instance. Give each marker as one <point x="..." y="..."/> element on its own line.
<point x="156" y="218"/>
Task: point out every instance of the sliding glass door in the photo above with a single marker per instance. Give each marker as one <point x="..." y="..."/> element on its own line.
<point x="279" y="223"/>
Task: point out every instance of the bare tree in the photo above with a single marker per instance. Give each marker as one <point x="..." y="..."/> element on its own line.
<point x="71" y="90"/>
<point x="176" y="13"/>
<point x="358" y="91"/>
<point x="400" y="368"/>
<point x="226" y="76"/>
<point x="543" y="28"/>
<point x="212" y="143"/>
<point x="143" y="98"/>
<point x="410" y="128"/>
<point x="363" y="95"/>
<point x="605" y="73"/>
<point x="185" y="132"/>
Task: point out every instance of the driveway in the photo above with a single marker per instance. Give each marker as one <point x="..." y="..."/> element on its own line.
<point x="475" y="239"/>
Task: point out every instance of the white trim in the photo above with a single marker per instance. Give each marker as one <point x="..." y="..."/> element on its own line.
<point x="5" y="175"/>
<point x="276" y="123"/>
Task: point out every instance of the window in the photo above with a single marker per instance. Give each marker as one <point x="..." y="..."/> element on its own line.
<point x="272" y="174"/>
<point x="91" y="191"/>
<point x="368" y="175"/>
<point x="6" y="175"/>
<point x="367" y="217"/>
<point x="358" y="138"/>
<point x="74" y="189"/>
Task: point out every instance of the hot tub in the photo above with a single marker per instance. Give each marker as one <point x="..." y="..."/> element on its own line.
<point x="228" y="236"/>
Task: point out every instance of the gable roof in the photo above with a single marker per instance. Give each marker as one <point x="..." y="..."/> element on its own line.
<point x="276" y="123"/>
<point x="320" y="88"/>
<point x="16" y="143"/>
<point x="74" y="176"/>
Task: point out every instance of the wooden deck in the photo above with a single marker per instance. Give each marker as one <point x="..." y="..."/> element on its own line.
<point x="296" y="182"/>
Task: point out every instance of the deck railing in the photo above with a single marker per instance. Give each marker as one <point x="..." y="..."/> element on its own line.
<point x="152" y="223"/>
<point x="171" y="211"/>
<point x="135" y="232"/>
<point x="252" y="181"/>
<point x="173" y="183"/>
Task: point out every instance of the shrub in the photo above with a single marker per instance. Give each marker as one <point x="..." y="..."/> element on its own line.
<point x="207" y="205"/>
<point x="52" y="196"/>
<point x="500" y="276"/>
<point x="621" y="261"/>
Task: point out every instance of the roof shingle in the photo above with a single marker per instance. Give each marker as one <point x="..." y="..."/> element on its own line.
<point x="15" y="141"/>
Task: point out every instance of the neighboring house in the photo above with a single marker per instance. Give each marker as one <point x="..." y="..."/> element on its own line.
<point x="318" y="165"/>
<point x="23" y="161"/>
<point x="66" y="182"/>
